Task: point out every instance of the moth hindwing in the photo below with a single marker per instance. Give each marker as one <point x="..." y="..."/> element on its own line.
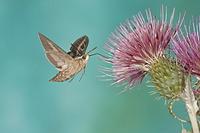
<point x="67" y="63"/>
<point x="78" y="48"/>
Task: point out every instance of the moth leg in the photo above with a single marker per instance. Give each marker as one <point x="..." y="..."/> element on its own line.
<point x="72" y="78"/>
<point x="82" y="73"/>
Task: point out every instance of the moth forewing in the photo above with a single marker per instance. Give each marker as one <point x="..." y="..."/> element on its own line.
<point x="60" y="61"/>
<point x="54" y="53"/>
<point x="49" y="45"/>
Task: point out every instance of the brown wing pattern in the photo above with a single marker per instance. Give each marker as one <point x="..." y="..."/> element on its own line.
<point x="63" y="75"/>
<point x="76" y="66"/>
<point x="58" y="57"/>
<point x="79" y="47"/>
<point x="49" y="45"/>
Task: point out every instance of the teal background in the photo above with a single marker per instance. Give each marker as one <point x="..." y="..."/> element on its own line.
<point x="31" y="104"/>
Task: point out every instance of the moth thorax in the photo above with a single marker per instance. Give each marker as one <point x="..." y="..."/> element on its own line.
<point x="168" y="77"/>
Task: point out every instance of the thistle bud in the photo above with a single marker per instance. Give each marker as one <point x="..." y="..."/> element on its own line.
<point x="167" y="77"/>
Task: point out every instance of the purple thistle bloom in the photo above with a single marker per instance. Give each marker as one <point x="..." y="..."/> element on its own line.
<point x="187" y="49"/>
<point x="135" y="45"/>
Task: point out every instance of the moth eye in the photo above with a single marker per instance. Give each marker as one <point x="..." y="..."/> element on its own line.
<point x="84" y="57"/>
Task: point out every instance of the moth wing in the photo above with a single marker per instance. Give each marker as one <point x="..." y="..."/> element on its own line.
<point x="56" y="55"/>
<point x="68" y="73"/>
<point x="49" y="45"/>
<point x="79" y="47"/>
<point x="59" y="60"/>
<point x="64" y="75"/>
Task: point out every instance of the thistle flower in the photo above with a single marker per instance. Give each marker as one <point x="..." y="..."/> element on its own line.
<point x="187" y="49"/>
<point x="137" y="47"/>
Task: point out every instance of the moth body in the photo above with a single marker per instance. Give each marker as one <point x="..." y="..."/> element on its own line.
<point x="68" y="63"/>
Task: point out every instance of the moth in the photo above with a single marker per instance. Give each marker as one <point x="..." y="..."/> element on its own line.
<point x="67" y="63"/>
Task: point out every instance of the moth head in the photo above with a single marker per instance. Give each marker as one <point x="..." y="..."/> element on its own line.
<point x="85" y="57"/>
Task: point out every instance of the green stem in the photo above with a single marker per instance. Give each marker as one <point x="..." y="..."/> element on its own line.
<point x="191" y="105"/>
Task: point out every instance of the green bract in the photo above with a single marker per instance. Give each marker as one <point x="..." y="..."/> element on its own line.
<point x="168" y="77"/>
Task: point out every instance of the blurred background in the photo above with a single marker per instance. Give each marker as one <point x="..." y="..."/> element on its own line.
<point x="31" y="104"/>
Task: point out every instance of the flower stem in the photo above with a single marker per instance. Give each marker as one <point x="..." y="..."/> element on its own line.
<point x="191" y="105"/>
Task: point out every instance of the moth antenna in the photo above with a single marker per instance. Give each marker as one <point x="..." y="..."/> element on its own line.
<point x="92" y="49"/>
<point x="99" y="55"/>
<point x="96" y="53"/>
<point x="71" y="79"/>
